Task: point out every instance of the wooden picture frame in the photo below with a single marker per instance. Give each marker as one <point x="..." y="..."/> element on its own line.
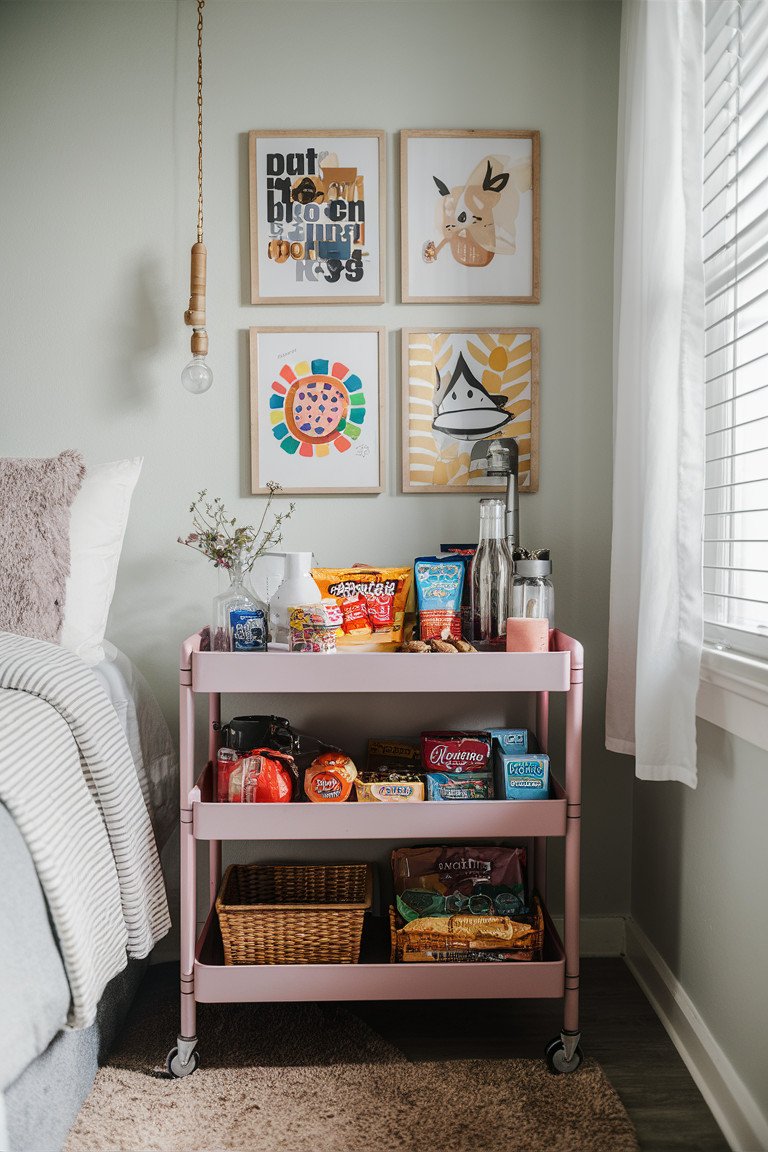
<point x="487" y="364"/>
<point x="298" y="438"/>
<point x="470" y="216"/>
<point x="317" y="216"/>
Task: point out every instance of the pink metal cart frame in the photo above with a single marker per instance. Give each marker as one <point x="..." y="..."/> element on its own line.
<point x="204" y="978"/>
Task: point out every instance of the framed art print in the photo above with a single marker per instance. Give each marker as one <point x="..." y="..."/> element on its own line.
<point x="460" y="386"/>
<point x="317" y="404"/>
<point x="470" y="216"/>
<point x="316" y="202"/>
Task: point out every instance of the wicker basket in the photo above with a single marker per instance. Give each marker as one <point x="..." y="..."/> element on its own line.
<point x="293" y="913"/>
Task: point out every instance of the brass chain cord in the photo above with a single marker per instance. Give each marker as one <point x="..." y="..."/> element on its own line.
<point x="200" y="6"/>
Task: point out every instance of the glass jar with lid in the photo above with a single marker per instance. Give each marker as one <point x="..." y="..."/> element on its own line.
<point x="533" y="594"/>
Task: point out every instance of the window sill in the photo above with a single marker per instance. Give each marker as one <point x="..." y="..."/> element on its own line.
<point x="733" y="694"/>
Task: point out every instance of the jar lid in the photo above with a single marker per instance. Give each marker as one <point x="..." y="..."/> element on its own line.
<point x="533" y="567"/>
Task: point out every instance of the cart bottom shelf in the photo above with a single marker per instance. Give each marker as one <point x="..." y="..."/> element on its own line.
<point x="374" y="978"/>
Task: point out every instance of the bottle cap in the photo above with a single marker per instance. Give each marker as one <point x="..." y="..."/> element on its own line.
<point x="533" y="567"/>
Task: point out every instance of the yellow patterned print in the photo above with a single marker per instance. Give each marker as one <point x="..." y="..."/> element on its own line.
<point x="502" y="361"/>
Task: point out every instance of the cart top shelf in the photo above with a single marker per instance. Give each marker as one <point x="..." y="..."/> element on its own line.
<point x="274" y="672"/>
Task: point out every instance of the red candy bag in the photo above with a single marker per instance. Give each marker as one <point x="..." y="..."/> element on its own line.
<point x="381" y="611"/>
<point x="267" y="777"/>
<point x="354" y="613"/>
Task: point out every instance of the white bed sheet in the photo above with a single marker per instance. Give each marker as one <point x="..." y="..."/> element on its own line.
<point x="149" y="738"/>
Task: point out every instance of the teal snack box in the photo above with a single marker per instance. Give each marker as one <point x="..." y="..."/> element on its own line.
<point x="513" y="741"/>
<point x="521" y="777"/>
<point x="442" y="786"/>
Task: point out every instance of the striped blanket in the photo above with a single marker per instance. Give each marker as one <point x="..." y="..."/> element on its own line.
<point x="68" y="779"/>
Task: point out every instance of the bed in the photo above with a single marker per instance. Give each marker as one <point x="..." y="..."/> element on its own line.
<point x="87" y="783"/>
<point x="58" y="1017"/>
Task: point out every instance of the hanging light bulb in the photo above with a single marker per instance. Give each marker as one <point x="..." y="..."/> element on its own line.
<point x="197" y="376"/>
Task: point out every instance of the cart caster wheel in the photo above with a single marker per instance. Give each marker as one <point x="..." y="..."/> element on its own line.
<point x="556" y="1058"/>
<point x="176" y="1069"/>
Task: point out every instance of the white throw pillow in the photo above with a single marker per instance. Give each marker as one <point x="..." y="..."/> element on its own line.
<point x="98" y="518"/>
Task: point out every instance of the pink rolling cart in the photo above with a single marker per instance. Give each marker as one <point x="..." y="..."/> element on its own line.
<point x="204" y="976"/>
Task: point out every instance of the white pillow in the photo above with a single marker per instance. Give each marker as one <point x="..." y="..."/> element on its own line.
<point x="97" y="523"/>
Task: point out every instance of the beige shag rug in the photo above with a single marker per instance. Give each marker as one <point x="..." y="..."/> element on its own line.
<point x="310" y="1078"/>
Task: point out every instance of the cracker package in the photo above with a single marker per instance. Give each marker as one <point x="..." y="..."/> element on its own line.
<point x="467" y="938"/>
<point x="372" y="603"/>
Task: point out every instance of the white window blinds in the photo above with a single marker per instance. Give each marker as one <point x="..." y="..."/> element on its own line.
<point x="736" y="278"/>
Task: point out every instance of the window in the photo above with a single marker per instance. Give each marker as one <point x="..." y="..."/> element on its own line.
<point x="736" y="283"/>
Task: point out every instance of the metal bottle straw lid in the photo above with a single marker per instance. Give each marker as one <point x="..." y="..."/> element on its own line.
<point x="533" y="567"/>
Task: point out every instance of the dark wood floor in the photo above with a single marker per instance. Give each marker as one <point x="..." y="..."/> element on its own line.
<point x="619" y="1029"/>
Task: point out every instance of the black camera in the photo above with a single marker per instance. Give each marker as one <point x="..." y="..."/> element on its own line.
<point x="246" y="732"/>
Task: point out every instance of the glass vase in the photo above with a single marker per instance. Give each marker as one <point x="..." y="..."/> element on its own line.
<point x="239" y="619"/>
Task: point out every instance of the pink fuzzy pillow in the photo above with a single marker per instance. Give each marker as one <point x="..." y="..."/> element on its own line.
<point x="35" y="499"/>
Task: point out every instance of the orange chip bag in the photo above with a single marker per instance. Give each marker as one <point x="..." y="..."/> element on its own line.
<point x="383" y="592"/>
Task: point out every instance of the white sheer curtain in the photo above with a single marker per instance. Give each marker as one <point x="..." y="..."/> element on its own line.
<point x="655" y="634"/>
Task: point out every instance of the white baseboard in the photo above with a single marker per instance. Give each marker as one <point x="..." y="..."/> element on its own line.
<point x="744" y="1125"/>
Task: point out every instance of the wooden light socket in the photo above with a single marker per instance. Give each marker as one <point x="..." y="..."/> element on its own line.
<point x="195" y="314"/>
<point x="199" y="342"/>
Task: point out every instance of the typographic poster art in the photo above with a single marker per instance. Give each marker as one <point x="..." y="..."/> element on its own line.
<point x="463" y="386"/>
<point x="316" y="210"/>
<point x="316" y="399"/>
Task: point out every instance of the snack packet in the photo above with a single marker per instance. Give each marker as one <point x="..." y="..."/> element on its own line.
<point x="389" y="787"/>
<point x="354" y="615"/>
<point x="477" y="786"/>
<point x="267" y="777"/>
<point x="439" y="584"/>
<point x="453" y="870"/>
<point x="329" y="778"/>
<point x="313" y="627"/>
<point x="372" y="602"/>
<point x="394" y="755"/>
<point x="460" y="938"/>
<point x="456" y="752"/>
<point x="467" y="553"/>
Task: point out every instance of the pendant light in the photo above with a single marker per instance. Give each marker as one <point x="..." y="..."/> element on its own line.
<point x="197" y="376"/>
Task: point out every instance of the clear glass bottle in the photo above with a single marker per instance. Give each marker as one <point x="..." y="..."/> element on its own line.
<point x="533" y="594"/>
<point x="239" y="618"/>
<point x="491" y="577"/>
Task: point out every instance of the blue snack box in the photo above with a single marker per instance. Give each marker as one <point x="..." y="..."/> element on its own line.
<point x="521" y="777"/>
<point x="477" y="786"/>
<point x="512" y="741"/>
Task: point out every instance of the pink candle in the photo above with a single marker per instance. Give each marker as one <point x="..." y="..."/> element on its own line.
<point x="527" y="635"/>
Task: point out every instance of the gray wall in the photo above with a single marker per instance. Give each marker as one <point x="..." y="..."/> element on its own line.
<point x="97" y="201"/>
<point x="700" y="862"/>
